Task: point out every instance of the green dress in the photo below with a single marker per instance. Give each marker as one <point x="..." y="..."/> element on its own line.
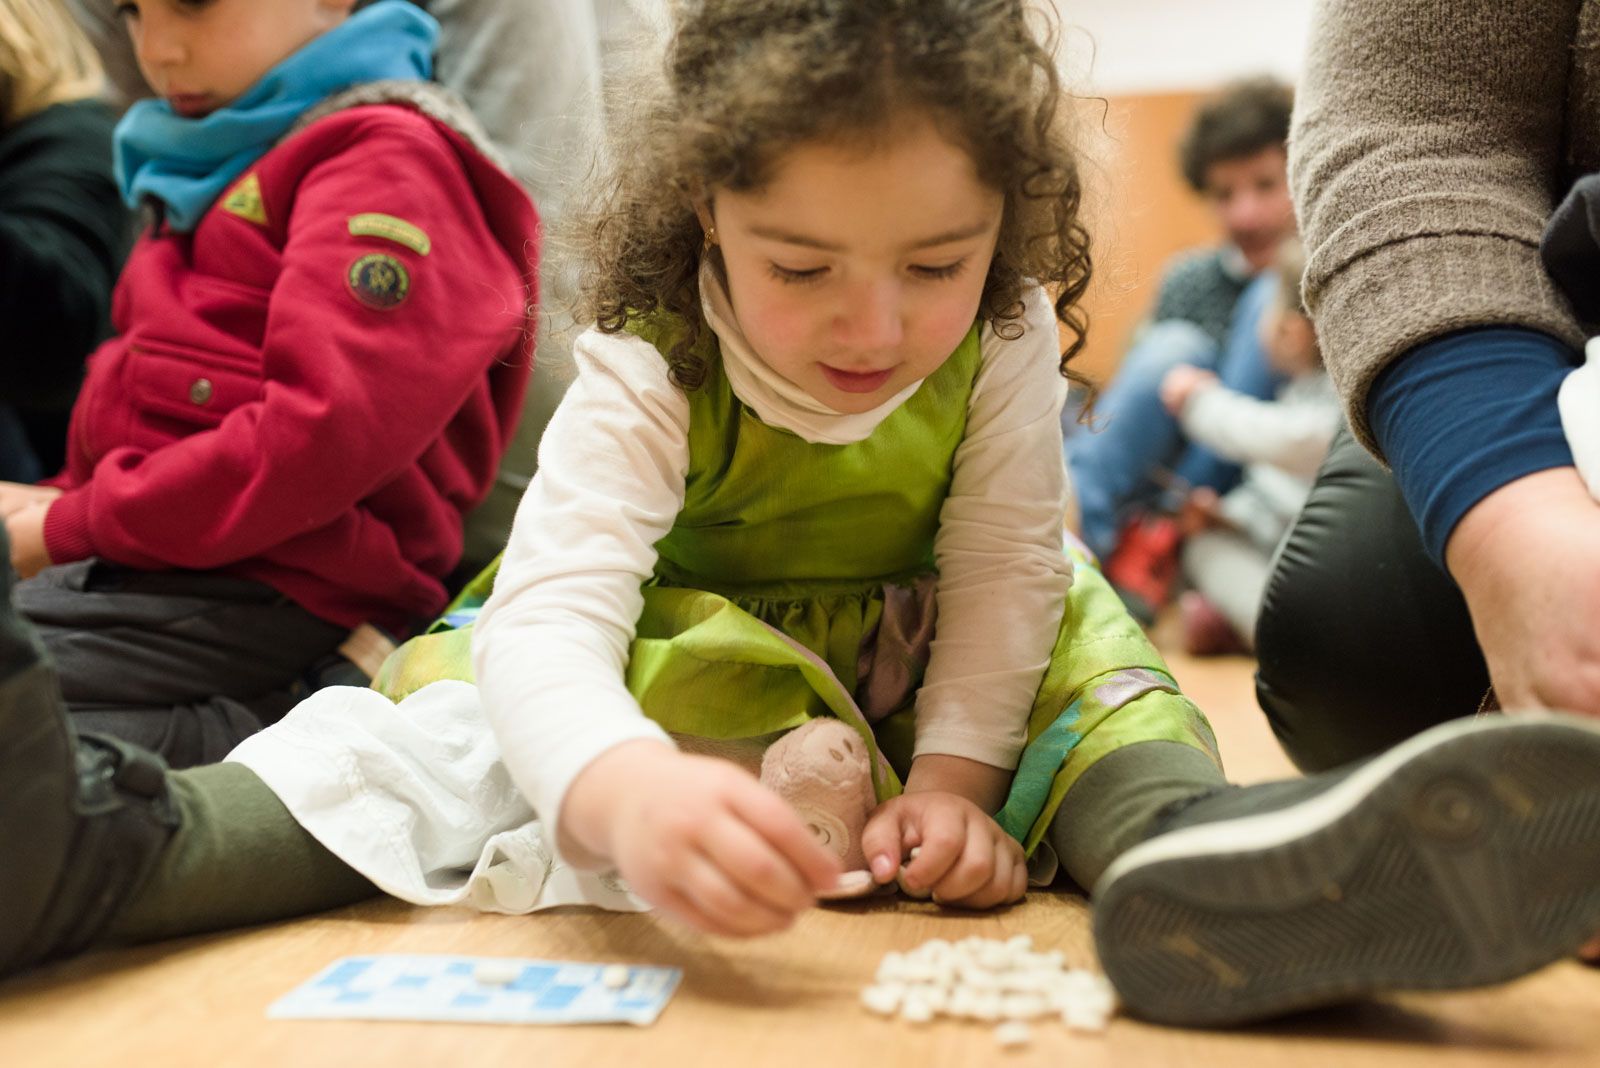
<point x="798" y="581"/>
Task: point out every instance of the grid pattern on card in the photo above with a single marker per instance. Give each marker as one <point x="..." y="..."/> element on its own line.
<point x="444" y="988"/>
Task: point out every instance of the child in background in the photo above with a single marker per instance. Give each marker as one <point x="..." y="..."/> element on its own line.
<point x="1281" y="442"/>
<point x="819" y="407"/>
<point x="62" y="228"/>
<point x="321" y="348"/>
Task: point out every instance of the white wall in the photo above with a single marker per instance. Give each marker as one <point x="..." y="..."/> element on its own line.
<point x="1142" y="46"/>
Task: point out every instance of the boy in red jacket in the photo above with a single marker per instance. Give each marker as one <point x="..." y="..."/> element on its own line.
<point x="322" y="345"/>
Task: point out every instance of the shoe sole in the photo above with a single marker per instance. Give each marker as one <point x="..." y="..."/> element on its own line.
<point x="1468" y="855"/>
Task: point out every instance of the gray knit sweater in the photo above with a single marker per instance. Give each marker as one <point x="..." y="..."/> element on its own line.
<point x="1432" y="139"/>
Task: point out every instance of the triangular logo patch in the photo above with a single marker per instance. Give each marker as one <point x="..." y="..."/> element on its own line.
<point x="245" y="201"/>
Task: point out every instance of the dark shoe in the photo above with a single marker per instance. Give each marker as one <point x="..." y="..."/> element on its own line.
<point x="1206" y="631"/>
<point x="81" y="822"/>
<point x="1466" y="856"/>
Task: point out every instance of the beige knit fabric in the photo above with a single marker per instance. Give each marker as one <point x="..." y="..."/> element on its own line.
<point x="1432" y="139"/>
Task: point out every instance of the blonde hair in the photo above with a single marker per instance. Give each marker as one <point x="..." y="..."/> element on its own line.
<point x="44" y="59"/>
<point x="746" y="80"/>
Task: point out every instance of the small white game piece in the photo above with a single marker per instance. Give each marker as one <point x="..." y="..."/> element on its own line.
<point x="850" y="884"/>
<point x="1083" y="1018"/>
<point x="1013" y="1033"/>
<point x="1023" y="1006"/>
<point x="883" y="1000"/>
<point x="615" y="976"/>
<point x="991" y="980"/>
<point x="492" y="972"/>
<point x="987" y="1007"/>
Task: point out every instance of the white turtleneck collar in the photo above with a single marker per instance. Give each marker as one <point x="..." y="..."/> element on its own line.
<point x="777" y="401"/>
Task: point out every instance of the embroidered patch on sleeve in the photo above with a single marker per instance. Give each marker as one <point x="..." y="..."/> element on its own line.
<point x="378" y="281"/>
<point x="377" y="224"/>
<point x="245" y="201"/>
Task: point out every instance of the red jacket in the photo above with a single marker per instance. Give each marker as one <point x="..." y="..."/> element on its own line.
<point x="311" y="388"/>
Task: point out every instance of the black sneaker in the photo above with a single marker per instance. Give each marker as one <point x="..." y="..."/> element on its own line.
<point x="81" y="821"/>
<point x="1466" y="856"/>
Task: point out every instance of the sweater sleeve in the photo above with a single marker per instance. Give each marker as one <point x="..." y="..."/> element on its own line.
<point x="551" y="646"/>
<point x="351" y="394"/>
<point x="1003" y="572"/>
<point x="62" y="232"/>
<point x="1424" y="159"/>
<point x="1465" y="414"/>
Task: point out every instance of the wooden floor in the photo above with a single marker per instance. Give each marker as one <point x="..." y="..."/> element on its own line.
<point x="786" y="1000"/>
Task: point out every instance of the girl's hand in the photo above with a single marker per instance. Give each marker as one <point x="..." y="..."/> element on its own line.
<point x="15" y="496"/>
<point x="25" y="528"/>
<point x="963" y="856"/>
<point x="697" y="837"/>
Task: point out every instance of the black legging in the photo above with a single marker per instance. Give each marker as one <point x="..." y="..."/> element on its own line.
<point x="1363" y="641"/>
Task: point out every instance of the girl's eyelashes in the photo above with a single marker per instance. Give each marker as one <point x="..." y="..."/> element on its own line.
<point x="794" y="277"/>
<point x="948" y="270"/>
<point x="926" y="272"/>
<point x="124" y="9"/>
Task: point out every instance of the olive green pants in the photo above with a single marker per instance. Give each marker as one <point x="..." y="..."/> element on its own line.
<point x="240" y="858"/>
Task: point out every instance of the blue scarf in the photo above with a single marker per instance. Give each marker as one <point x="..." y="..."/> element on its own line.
<point x="187" y="163"/>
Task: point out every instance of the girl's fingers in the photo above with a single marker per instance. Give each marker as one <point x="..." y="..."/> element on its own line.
<point x="941" y="847"/>
<point x="1019" y="881"/>
<point x="732" y="911"/>
<point x="973" y="870"/>
<point x="883" y="842"/>
<point x="685" y="911"/>
<point x="755" y="867"/>
<point x="1010" y="880"/>
<point x="772" y="818"/>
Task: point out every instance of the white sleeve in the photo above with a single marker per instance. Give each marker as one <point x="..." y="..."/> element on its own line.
<point x="1003" y="571"/>
<point x="1293" y="437"/>
<point x="551" y="646"/>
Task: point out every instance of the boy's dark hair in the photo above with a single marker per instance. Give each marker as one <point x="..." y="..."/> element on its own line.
<point x="1240" y="121"/>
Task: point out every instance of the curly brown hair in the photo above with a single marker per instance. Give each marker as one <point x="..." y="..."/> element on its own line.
<point x="746" y="80"/>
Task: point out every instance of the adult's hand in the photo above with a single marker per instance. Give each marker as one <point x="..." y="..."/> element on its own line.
<point x="1528" y="559"/>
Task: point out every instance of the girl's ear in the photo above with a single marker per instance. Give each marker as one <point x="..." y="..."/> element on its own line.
<point x="702" y="211"/>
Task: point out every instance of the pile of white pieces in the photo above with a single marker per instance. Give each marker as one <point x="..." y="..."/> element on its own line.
<point x="1001" y="982"/>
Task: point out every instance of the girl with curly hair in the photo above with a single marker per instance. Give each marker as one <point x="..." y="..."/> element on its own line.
<point x="803" y="508"/>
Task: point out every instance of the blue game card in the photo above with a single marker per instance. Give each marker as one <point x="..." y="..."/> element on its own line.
<point x="453" y="989"/>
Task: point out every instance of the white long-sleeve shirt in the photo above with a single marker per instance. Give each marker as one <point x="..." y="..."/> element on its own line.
<point x="1281" y="443"/>
<point x="551" y="646"/>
